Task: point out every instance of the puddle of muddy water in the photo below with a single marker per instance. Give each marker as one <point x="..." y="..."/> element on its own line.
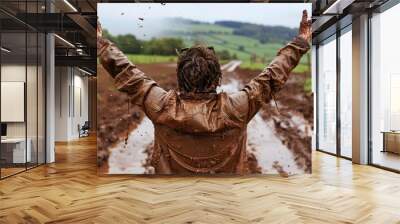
<point x="129" y="159"/>
<point x="265" y="144"/>
<point x="262" y="140"/>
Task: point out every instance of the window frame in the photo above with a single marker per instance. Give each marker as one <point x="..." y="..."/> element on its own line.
<point x="381" y="9"/>
<point x="27" y="29"/>
<point x="338" y="29"/>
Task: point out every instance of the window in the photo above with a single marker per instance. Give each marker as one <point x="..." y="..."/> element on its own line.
<point x="22" y="78"/>
<point x="327" y="95"/>
<point x="385" y="89"/>
<point x="14" y="151"/>
<point x="346" y="92"/>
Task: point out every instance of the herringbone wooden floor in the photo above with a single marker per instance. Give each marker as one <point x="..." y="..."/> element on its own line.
<point x="70" y="191"/>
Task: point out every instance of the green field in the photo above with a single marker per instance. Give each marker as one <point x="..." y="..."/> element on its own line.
<point x="253" y="54"/>
<point x="301" y="68"/>
<point x="243" y="47"/>
<point x="151" y="59"/>
<point x="308" y="85"/>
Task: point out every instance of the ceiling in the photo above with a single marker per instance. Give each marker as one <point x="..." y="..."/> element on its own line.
<point x="74" y="22"/>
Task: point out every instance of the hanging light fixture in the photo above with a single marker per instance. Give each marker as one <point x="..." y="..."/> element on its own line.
<point x="84" y="71"/>
<point x="64" y="40"/>
<point x="70" y="5"/>
<point x="5" y="50"/>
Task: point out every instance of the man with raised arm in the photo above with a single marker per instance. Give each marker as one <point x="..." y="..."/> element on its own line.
<point x="198" y="130"/>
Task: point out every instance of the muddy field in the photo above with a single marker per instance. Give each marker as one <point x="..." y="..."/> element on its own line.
<point x="279" y="136"/>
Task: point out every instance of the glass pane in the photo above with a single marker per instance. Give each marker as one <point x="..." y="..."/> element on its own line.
<point x="346" y="94"/>
<point x="22" y="80"/>
<point x="385" y="84"/>
<point x="327" y="96"/>
<point x="13" y="86"/>
<point x="41" y="98"/>
<point x="31" y="98"/>
<point x="31" y="88"/>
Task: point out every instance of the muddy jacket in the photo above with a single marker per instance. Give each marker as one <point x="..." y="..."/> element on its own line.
<point x="201" y="133"/>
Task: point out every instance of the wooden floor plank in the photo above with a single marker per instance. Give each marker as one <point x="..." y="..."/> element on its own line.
<point x="70" y="191"/>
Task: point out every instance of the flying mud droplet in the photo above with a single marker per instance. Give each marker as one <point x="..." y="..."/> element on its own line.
<point x="122" y="13"/>
<point x="141" y="18"/>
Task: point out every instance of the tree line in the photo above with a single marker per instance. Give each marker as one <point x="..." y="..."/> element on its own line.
<point x="262" y="33"/>
<point x="129" y="44"/>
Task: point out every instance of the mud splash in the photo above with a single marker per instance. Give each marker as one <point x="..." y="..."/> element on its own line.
<point x="278" y="142"/>
<point x="130" y="158"/>
<point x="262" y="138"/>
<point x="267" y="147"/>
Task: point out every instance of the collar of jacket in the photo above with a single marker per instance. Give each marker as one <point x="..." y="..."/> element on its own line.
<point x="198" y="96"/>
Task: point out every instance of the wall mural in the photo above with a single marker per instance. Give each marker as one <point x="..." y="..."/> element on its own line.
<point x="212" y="88"/>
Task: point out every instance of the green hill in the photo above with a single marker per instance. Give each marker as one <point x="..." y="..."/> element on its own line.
<point x="265" y="34"/>
<point x="255" y="45"/>
<point x="251" y="43"/>
<point x="221" y="38"/>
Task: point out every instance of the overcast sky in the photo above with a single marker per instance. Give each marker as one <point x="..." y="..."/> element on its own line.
<point x="119" y="17"/>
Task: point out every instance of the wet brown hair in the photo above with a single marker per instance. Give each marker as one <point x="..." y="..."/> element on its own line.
<point x="198" y="70"/>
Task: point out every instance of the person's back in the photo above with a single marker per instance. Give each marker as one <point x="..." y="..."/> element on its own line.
<point x="198" y="130"/>
<point x="204" y="134"/>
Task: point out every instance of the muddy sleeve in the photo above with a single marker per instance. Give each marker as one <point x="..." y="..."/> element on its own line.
<point x="128" y="78"/>
<point x="263" y="87"/>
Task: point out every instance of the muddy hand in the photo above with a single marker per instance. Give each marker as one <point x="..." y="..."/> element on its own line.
<point x="305" y="27"/>
<point x="99" y="30"/>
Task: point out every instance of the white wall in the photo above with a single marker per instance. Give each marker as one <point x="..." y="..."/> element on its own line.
<point x="80" y="110"/>
<point x="16" y="73"/>
<point x="61" y="103"/>
<point x="33" y="126"/>
<point x="12" y="73"/>
<point x="71" y="94"/>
